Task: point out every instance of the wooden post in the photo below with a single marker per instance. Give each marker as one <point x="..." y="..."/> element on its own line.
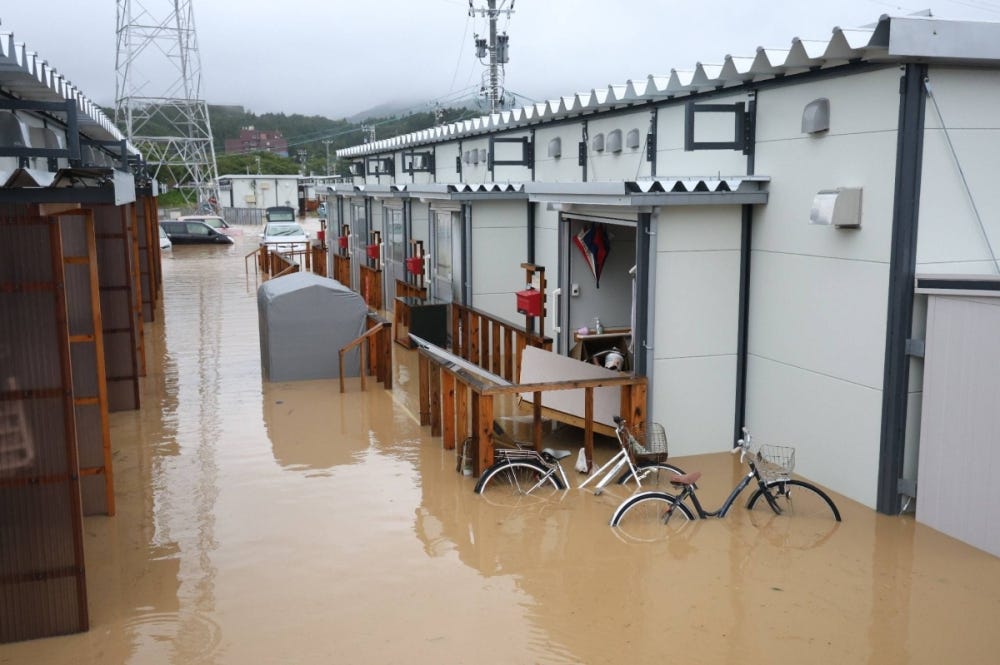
<point x="448" y="409"/>
<point x="484" y="444"/>
<point x="536" y="421"/>
<point x="462" y="410"/>
<point x="588" y="425"/>
<point x="435" y="389"/>
<point x="424" y="389"/>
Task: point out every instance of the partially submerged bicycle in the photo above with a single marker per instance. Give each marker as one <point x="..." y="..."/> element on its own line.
<point x="521" y="471"/>
<point x="770" y="466"/>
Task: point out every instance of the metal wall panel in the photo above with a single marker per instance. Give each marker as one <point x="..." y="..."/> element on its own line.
<point x="120" y="323"/>
<point x="42" y="583"/>
<point x="960" y="422"/>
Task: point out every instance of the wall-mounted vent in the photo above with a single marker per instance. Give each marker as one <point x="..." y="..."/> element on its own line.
<point x="482" y="155"/>
<point x="839" y="207"/>
<point x="816" y="116"/>
<point x="632" y="139"/>
<point x="555" y="148"/>
<point x="614" y="143"/>
<point x="598" y="143"/>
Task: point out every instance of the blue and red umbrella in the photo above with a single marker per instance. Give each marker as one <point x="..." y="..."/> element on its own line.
<point x="594" y="244"/>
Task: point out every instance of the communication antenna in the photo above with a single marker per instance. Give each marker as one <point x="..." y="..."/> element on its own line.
<point x="495" y="49"/>
<point x="158" y="94"/>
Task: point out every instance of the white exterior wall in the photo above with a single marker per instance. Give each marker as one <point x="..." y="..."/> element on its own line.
<point x="671" y="158"/>
<point x="444" y="161"/>
<point x="630" y="163"/>
<point x="499" y="244"/>
<point x="950" y="238"/>
<point x="695" y="319"/>
<point x="547" y="255"/>
<point x="265" y="191"/>
<point x="818" y="295"/>
<point x="475" y="173"/>
<point x="566" y="168"/>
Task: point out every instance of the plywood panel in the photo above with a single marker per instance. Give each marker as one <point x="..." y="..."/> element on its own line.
<point x="539" y="366"/>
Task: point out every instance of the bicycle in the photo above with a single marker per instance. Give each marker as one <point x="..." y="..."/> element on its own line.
<point x="770" y="466"/>
<point x="520" y="471"/>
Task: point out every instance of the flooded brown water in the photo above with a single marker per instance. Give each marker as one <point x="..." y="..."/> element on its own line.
<point x="287" y="523"/>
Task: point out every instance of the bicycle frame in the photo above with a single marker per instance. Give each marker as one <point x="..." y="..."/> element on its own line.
<point x="689" y="491"/>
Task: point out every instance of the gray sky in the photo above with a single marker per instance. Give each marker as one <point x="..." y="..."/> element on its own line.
<point x="335" y="58"/>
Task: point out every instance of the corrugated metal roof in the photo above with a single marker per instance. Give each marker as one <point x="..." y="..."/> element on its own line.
<point x="910" y="37"/>
<point x="27" y="76"/>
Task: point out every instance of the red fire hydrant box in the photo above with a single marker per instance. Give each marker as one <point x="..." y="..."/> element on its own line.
<point x="415" y="265"/>
<point x="529" y="302"/>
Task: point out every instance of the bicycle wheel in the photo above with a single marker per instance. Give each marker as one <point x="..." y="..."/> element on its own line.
<point x="654" y="476"/>
<point x="513" y="483"/>
<point x="651" y="516"/>
<point x="813" y="515"/>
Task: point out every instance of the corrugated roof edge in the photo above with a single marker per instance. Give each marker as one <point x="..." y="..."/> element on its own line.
<point x="891" y="39"/>
<point x="31" y="78"/>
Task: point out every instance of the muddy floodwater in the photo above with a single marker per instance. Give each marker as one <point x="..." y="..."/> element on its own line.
<point x="287" y="523"/>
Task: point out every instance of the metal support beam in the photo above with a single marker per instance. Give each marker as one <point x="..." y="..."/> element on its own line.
<point x="902" y="273"/>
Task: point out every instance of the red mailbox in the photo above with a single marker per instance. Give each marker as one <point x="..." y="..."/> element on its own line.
<point x="529" y="302"/>
<point x="415" y="265"/>
<point x="342" y="242"/>
<point x="373" y="252"/>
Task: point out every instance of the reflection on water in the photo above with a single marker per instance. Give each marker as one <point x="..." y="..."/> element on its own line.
<point x="287" y="523"/>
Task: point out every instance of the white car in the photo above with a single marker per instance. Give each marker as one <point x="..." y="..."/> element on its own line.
<point x="284" y="237"/>
<point x="165" y="243"/>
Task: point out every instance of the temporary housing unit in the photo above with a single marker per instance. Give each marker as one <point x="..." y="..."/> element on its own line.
<point x="304" y="321"/>
<point x="770" y="214"/>
<point x="79" y="276"/>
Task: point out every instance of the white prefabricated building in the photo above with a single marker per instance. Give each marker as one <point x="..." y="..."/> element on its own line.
<point x="775" y="211"/>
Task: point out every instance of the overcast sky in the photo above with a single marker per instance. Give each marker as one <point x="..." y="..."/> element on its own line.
<point x="339" y="57"/>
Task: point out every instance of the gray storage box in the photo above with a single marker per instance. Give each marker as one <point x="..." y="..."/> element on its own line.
<point x="305" y="320"/>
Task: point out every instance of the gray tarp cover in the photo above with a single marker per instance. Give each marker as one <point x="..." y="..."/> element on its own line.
<point x="305" y="320"/>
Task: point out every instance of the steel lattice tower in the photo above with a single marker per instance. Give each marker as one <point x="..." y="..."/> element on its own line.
<point x="158" y="93"/>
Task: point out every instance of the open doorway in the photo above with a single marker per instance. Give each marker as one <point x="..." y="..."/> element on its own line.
<point x="597" y="258"/>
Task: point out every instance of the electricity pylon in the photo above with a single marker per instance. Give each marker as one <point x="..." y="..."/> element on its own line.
<point x="494" y="49"/>
<point x="158" y="94"/>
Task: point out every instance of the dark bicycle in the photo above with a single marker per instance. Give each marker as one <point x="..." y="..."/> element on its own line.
<point x="770" y="466"/>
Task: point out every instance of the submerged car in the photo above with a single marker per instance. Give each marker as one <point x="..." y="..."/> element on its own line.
<point x="164" y="240"/>
<point x="191" y="231"/>
<point x="284" y="236"/>
<point x="215" y="222"/>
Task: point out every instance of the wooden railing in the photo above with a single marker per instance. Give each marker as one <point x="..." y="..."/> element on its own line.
<point x="375" y="350"/>
<point x="457" y="403"/>
<point x="272" y="263"/>
<point x="342" y="269"/>
<point x="371" y="286"/>
<point x="490" y="342"/>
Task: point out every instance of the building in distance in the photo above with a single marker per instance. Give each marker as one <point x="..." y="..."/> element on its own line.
<point x="254" y="140"/>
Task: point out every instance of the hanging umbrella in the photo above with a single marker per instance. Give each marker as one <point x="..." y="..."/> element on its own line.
<point x="594" y="244"/>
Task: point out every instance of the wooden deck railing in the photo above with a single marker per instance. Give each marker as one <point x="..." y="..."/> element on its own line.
<point x="376" y="353"/>
<point x="342" y="269"/>
<point x="490" y="342"/>
<point x="371" y="286"/>
<point x="458" y="402"/>
<point x="272" y="263"/>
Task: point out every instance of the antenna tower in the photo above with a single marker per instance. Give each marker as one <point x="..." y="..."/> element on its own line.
<point x="495" y="49"/>
<point x="158" y="94"/>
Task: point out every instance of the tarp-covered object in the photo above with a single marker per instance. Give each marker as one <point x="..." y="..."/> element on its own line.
<point x="305" y="320"/>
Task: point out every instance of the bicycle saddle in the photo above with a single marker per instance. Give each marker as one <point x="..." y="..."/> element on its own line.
<point x="686" y="479"/>
<point x="556" y="454"/>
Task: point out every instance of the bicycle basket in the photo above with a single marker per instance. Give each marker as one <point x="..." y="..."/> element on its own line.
<point x="775" y="462"/>
<point x="654" y="448"/>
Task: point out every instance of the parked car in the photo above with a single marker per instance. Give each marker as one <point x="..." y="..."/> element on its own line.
<point x="165" y="243"/>
<point x="215" y="222"/>
<point x="284" y="236"/>
<point x="193" y="231"/>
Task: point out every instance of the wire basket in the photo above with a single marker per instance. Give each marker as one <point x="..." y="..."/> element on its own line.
<point x="775" y="462"/>
<point x="655" y="447"/>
